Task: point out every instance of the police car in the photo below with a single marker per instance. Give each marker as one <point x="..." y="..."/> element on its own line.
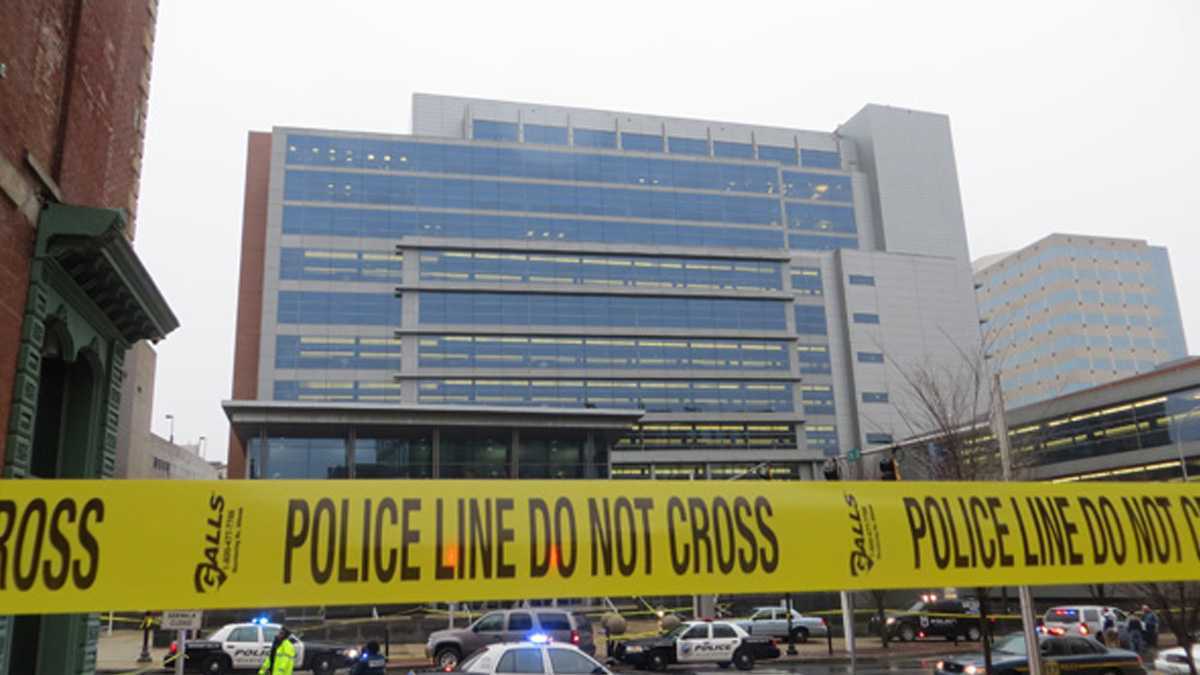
<point x="719" y="642"/>
<point x="538" y="654"/>
<point x="244" y="646"/>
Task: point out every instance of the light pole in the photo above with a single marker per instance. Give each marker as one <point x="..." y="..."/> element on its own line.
<point x="200" y="445"/>
<point x="171" y="419"/>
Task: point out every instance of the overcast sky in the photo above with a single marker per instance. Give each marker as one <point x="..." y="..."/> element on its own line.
<point x="1075" y="117"/>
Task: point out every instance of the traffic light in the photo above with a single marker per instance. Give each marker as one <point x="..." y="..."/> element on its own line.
<point x="888" y="469"/>
<point x="831" y="470"/>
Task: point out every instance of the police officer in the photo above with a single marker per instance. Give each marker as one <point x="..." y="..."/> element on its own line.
<point x="281" y="658"/>
<point x="370" y="662"/>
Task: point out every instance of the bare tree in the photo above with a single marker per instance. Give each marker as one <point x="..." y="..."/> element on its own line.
<point x="1178" y="605"/>
<point x="946" y="405"/>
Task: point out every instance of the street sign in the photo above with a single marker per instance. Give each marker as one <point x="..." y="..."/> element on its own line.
<point x="182" y="620"/>
<point x="854" y="455"/>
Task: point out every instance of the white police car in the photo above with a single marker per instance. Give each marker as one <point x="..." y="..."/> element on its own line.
<point x="244" y="646"/>
<point x="538" y="654"/>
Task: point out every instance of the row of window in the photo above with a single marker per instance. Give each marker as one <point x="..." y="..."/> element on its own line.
<point x="335" y="308"/>
<point x="810" y="320"/>
<point x="491" y="130"/>
<point x="479" y="351"/>
<point x="807" y="281"/>
<point x="649" y="395"/>
<point x="324" y="352"/>
<point x="562" y="268"/>
<point x="817" y="399"/>
<point x="820" y="217"/>
<point x="370" y="223"/>
<point x="814" y="359"/>
<point x="823" y="436"/>
<point x="820" y="242"/>
<point x="327" y="265"/>
<point x="538" y="164"/>
<point x="817" y="186"/>
<point x="492" y="195"/>
<point x="552" y="309"/>
<point x="346" y="390"/>
<point x="708" y="436"/>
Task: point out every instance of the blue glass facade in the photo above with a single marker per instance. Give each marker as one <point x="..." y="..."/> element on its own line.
<point x="543" y="265"/>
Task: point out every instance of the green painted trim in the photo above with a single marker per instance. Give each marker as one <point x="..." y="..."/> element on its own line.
<point x="90" y="246"/>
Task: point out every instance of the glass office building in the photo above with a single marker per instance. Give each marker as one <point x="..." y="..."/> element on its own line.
<point x="1069" y="312"/>
<point x="711" y="280"/>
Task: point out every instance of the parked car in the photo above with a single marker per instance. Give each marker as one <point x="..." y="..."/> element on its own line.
<point x="1069" y="654"/>
<point x="1174" y="662"/>
<point x="773" y="622"/>
<point x="244" y="646"/>
<point x="448" y="647"/>
<point x="719" y="642"/>
<point x="1085" y="620"/>
<point x="922" y="621"/>
<point x="536" y="655"/>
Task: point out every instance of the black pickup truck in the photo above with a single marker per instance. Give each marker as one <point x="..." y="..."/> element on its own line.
<point x="719" y="642"/>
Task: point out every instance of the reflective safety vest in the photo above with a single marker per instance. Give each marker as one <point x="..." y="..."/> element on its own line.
<point x="285" y="660"/>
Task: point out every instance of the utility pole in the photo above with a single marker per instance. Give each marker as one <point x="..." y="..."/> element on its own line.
<point x="1000" y="431"/>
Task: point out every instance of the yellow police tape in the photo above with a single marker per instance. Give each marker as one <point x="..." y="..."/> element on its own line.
<point x="82" y="546"/>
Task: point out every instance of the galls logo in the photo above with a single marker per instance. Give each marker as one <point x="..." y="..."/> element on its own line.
<point x="865" y="543"/>
<point x="222" y="543"/>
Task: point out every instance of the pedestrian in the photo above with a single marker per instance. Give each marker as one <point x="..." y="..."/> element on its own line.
<point x="371" y="661"/>
<point x="281" y="658"/>
<point x="1137" y="640"/>
<point x="1108" y="628"/>
<point x="1150" y="626"/>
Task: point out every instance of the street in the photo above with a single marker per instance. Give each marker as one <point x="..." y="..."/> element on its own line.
<point x="903" y="666"/>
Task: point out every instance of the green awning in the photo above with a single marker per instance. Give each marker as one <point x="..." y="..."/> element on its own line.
<point x="89" y="244"/>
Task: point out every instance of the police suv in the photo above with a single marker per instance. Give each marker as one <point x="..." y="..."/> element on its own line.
<point x="244" y="646"/>
<point x="719" y="642"/>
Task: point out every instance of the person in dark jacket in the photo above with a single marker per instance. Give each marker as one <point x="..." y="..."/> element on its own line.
<point x="370" y="662"/>
<point x="1150" y="626"/>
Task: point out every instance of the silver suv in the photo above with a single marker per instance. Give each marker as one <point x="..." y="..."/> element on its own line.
<point x="448" y="647"/>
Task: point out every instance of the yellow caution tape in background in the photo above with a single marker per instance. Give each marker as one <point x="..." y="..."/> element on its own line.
<point x="81" y="546"/>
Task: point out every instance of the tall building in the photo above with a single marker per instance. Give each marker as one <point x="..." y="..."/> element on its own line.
<point x="1069" y="312"/>
<point x="746" y="295"/>
<point x="74" y="80"/>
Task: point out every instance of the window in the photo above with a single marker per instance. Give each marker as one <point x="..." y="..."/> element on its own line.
<point x="820" y="242"/>
<point x="594" y="138"/>
<point x="269" y="633"/>
<point x="243" y="634"/>
<point x="814" y="359"/>
<point x="778" y="154"/>
<point x="699" y="632"/>
<point x="821" y="217"/>
<point x="728" y="149"/>
<point x="520" y="621"/>
<point x="1092" y="615"/>
<point x="874" y="397"/>
<point x="162" y="465"/>
<point x="870" y="357"/>
<point x="1083" y="647"/>
<point x="866" y="317"/>
<point x="521" y="661"/>
<point x="810" y="320"/>
<point x="823" y="187"/>
<point x="687" y="146"/>
<point x="723" y="630"/>
<point x="553" y="621"/>
<point x="862" y="280"/>
<point x="641" y="142"/>
<point x="487" y="130"/>
<point x="879" y="438"/>
<point x="568" y="662"/>
<point x="544" y="135"/>
<point x="491" y="623"/>
<point x="820" y="159"/>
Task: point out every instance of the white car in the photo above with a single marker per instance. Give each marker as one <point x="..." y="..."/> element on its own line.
<point x="1083" y="620"/>
<point x="537" y="655"/>
<point x="773" y="622"/>
<point x="1173" y="661"/>
<point x="244" y="646"/>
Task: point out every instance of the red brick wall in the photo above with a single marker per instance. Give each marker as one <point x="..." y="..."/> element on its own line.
<point x="74" y="98"/>
<point x="250" y="285"/>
